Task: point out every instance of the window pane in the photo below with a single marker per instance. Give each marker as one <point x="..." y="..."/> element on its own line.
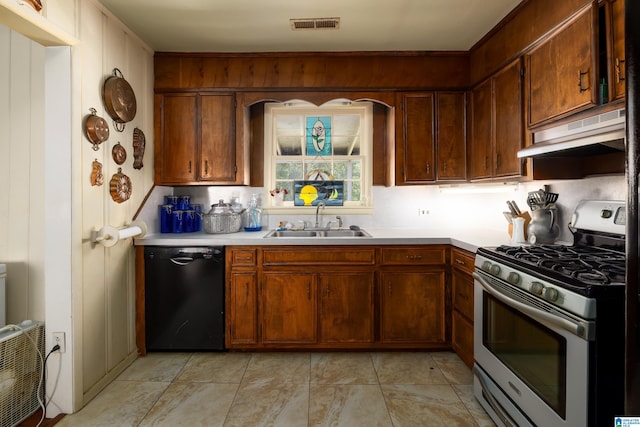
<point x="318" y="171"/>
<point x="347" y="169"/>
<point x="289" y="170"/>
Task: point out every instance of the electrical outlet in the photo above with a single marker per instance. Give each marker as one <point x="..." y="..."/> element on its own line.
<point x="58" y="338"/>
<point x="423" y="211"/>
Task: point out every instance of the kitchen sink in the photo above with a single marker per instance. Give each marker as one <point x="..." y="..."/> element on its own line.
<point x="317" y="233"/>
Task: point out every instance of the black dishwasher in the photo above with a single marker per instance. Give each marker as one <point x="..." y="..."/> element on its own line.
<point x="184" y="298"/>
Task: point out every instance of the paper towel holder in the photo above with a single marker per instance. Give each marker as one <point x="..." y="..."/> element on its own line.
<point x="108" y="236"/>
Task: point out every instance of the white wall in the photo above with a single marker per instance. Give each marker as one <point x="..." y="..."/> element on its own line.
<point x="397" y="207"/>
<point x="48" y="206"/>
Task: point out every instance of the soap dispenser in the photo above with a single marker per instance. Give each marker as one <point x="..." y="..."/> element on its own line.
<point x="253" y="215"/>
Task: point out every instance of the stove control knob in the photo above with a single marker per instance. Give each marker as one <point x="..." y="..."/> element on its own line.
<point x="551" y="294"/>
<point x="486" y="266"/>
<point x="536" y="288"/>
<point x="513" y="278"/>
<point x="495" y="269"/>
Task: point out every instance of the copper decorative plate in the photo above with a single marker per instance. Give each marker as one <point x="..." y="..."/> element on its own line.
<point x="119" y="154"/>
<point x="120" y="187"/>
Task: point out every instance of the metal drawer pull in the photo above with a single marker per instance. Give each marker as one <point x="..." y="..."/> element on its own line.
<point x="459" y="261"/>
<point x="414" y="257"/>
<point x="580" y="79"/>
<point x="619" y="73"/>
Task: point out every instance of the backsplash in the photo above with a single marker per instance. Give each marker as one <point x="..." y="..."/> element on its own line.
<point x="397" y="207"/>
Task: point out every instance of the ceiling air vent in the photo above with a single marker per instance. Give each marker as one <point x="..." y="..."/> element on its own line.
<point x="315" y="24"/>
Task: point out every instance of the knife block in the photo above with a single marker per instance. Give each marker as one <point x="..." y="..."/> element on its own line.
<point x="527" y="220"/>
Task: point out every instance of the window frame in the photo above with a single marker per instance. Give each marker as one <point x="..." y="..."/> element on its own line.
<point x="303" y="108"/>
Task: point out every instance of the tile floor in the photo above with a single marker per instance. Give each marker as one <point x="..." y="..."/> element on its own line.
<point x="288" y="389"/>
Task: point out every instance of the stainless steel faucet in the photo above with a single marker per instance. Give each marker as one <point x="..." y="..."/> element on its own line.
<point x="318" y="206"/>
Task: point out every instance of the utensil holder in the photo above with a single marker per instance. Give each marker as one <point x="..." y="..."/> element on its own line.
<point x="527" y="220"/>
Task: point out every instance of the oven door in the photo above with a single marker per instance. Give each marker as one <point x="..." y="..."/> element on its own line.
<point x="534" y="357"/>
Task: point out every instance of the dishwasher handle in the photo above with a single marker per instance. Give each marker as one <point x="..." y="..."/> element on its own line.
<point x="182" y="260"/>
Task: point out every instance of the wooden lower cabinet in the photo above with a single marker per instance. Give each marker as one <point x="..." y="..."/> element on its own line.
<point x="412" y="307"/>
<point x="289" y="306"/>
<point x="462" y="294"/>
<point x="346" y="312"/>
<point x="338" y="297"/>
<point x="242" y="311"/>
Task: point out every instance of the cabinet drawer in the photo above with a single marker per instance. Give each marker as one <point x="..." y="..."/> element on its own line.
<point x="301" y="255"/>
<point x="462" y="338"/>
<point x="414" y="256"/>
<point x="463" y="294"/>
<point x="244" y="257"/>
<point x="462" y="260"/>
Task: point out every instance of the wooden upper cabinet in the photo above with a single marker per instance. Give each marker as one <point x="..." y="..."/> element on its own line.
<point x="196" y="139"/>
<point x="176" y="128"/>
<point x="562" y="72"/>
<point x="480" y="143"/>
<point x="431" y="137"/>
<point x="451" y="136"/>
<point x="508" y="120"/>
<point x="217" y="144"/>
<point x="497" y="130"/>
<point x="416" y="139"/>
<point x="617" y="60"/>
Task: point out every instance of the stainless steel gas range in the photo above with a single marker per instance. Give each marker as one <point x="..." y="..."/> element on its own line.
<point x="549" y="325"/>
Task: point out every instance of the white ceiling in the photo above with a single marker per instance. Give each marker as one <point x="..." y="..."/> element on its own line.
<point x="263" y="26"/>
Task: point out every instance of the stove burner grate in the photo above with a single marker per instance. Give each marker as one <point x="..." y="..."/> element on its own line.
<point x="590" y="265"/>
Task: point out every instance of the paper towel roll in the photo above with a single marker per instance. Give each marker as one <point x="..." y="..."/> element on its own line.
<point x="109" y="235"/>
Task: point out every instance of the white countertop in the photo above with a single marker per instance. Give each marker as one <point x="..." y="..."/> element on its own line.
<point x="470" y="239"/>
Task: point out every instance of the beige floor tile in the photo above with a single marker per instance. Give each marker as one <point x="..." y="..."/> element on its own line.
<point x="407" y="368"/>
<point x="425" y="405"/>
<point x="278" y="367"/>
<point x="342" y="368"/>
<point x="453" y="368"/>
<point x="215" y="368"/>
<point x="465" y="393"/>
<point x="122" y="403"/>
<point x="162" y="367"/>
<point x="270" y="404"/>
<point x="192" y="404"/>
<point x="347" y="405"/>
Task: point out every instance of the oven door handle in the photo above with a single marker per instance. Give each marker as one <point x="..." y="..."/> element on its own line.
<point x="576" y="329"/>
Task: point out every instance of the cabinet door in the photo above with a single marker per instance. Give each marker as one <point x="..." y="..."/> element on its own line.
<point x="289" y="308"/>
<point x="617" y="85"/>
<point x="243" y="308"/>
<point x="451" y="136"/>
<point x="413" y="307"/>
<point x="462" y="338"/>
<point x="480" y="143"/>
<point x="417" y="153"/>
<point x="175" y="152"/>
<point x="217" y="145"/>
<point x="508" y="120"/>
<point x="561" y="71"/>
<point x="346" y="307"/>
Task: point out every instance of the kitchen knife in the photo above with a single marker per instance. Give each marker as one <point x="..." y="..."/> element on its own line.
<point x="512" y="209"/>
<point x="508" y="216"/>
<point x="517" y="209"/>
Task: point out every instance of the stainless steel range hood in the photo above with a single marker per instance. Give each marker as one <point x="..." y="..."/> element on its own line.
<point x="598" y="134"/>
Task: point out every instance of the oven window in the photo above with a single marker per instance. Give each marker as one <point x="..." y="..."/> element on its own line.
<point x="533" y="352"/>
